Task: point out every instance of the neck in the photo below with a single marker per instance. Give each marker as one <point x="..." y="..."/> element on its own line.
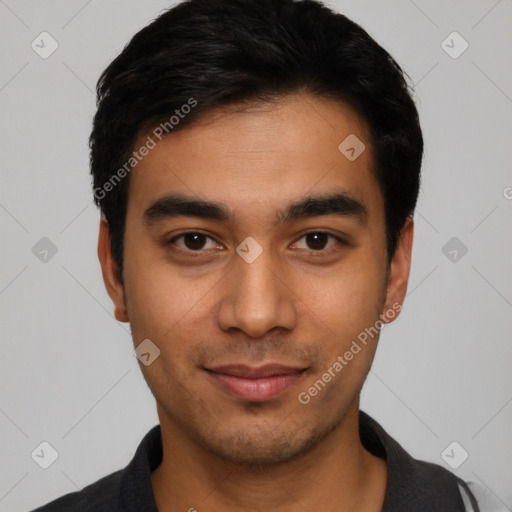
<point x="339" y="474"/>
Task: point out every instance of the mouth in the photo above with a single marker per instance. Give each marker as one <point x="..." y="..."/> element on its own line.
<point x="255" y="384"/>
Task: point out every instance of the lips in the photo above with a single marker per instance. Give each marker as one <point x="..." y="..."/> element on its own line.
<point x="255" y="384"/>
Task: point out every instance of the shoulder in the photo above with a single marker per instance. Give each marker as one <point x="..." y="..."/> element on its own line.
<point x="413" y="484"/>
<point x="100" y="496"/>
<point x="127" y="489"/>
<point x="483" y="500"/>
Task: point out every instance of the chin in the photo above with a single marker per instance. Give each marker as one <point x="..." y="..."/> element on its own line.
<point x="264" y="448"/>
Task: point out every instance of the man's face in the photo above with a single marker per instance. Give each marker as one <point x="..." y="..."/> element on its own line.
<point x="241" y="338"/>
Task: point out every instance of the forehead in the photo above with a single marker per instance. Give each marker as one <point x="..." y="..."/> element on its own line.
<point x="261" y="157"/>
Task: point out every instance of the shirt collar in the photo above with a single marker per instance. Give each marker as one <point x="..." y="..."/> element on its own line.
<point x="412" y="484"/>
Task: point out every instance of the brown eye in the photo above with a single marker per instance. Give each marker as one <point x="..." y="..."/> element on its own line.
<point x="193" y="242"/>
<point x="318" y="241"/>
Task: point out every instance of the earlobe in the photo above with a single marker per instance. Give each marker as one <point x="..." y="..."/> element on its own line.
<point x="399" y="273"/>
<point x="110" y="272"/>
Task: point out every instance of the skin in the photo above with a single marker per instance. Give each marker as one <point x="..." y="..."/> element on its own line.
<point x="292" y="305"/>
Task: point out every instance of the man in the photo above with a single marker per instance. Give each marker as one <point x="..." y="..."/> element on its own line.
<point x="257" y="165"/>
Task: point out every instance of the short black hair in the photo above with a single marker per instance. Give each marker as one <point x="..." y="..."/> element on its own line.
<point x="204" y="54"/>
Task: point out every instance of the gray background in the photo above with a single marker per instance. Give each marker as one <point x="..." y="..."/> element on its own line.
<point x="442" y="371"/>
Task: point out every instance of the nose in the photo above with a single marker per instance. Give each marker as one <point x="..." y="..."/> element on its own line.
<point x="258" y="297"/>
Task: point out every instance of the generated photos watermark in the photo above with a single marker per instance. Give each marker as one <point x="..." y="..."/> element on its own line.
<point x="304" y="397"/>
<point x="162" y="129"/>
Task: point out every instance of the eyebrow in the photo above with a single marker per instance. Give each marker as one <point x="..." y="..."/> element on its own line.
<point x="339" y="203"/>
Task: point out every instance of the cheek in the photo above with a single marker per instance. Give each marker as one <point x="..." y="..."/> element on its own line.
<point x="345" y="300"/>
<point x="349" y="311"/>
<point x="162" y="300"/>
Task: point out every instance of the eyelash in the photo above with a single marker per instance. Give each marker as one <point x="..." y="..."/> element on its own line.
<point x="190" y="252"/>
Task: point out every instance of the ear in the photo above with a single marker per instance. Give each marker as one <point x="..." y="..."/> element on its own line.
<point x="399" y="273"/>
<point x="110" y="272"/>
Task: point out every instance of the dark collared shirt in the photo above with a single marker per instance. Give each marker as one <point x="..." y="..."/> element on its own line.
<point x="413" y="485"/>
